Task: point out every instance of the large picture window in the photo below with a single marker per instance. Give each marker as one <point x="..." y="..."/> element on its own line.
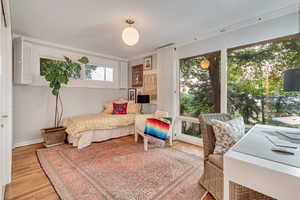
<point x="199" y="90"/>
<point x="255" y="82"/>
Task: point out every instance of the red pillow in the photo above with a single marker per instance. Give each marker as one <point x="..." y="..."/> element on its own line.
<point x="119" y="109"/>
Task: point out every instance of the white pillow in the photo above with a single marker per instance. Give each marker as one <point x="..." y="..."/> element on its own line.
<point x="227" y="133"/>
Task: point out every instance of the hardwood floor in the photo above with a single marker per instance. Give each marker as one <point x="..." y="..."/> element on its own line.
<point x="29" y="181"/>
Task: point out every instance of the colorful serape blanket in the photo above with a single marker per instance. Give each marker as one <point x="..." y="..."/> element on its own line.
<point x="158" y="127"/>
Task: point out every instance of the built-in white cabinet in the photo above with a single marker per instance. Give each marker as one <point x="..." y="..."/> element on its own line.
<point x="28" y="55"/>
<point x="22" y="55"/>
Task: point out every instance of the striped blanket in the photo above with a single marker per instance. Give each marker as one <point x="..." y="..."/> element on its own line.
<point x="158" y="127"/>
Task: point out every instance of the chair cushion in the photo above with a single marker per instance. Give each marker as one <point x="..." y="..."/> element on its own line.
<point x="227" y="133"/>
<point x="216" y="160"/>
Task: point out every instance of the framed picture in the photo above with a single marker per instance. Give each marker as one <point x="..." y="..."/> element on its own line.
<point x="148" y="63"/>
<point x="132" y="95"/>
<point x="137" y="76"/>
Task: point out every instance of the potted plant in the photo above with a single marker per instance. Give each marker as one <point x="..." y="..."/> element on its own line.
<point x="58" y="73"/>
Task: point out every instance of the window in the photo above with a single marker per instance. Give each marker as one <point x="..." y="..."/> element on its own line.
<point x="88" y="72"/>
<point x="93" y="72"/>
<point x="255" y="83"/>
<point x="199" y="90"/>
<point x="97" y="73"/>
<point x="48" y="60"/>
<point x="109" y="74"/>
<point x="199" y="85"/>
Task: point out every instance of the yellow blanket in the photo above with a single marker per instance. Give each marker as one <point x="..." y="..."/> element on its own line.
<point x="76" y="125"/>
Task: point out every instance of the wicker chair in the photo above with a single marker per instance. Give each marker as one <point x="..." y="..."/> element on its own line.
<point x="212" y="179"/>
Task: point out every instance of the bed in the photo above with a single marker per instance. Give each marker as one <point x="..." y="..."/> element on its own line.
<point x="82" y="130"/>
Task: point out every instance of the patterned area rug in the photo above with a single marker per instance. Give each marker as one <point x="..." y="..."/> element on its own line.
<point x="121" y="170"/>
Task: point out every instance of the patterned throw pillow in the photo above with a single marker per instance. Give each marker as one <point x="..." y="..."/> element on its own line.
<point x="119" y="109"/>
<point x="227" y="133"/>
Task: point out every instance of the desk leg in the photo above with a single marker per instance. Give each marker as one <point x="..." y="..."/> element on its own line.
<point x="226" y="189"/>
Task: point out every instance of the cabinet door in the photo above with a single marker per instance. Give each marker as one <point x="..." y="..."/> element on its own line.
<point x="123" y="75"/>
<point x="22" y="61"/>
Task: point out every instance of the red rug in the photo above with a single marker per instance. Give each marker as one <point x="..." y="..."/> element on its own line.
<point x="121" y="170"/>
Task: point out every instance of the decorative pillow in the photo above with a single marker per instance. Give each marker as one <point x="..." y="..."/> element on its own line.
<point x="227" y="133"/>
<point x="119" y="109"/>
<point x="132" y="108"/>
<point x="108" y="107"/>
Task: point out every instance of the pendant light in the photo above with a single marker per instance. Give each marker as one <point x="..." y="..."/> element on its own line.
<point x="130" y="34"/>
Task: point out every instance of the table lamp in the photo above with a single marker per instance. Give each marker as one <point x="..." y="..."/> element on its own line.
<point x="143" y="99"/>
<point x="291" y="80"/>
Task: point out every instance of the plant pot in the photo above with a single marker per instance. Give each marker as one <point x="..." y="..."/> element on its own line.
<point x="54" y="136"/>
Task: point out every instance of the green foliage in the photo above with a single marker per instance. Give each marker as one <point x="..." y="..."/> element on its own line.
<point x="59" y="72"/>
<point x="192" y="129"/>
<point x="196" y="89"/>
<point x="89" y="69"/>
<point x="255" y="83"/>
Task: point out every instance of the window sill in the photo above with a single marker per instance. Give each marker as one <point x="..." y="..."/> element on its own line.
<point x="39" y="81"/>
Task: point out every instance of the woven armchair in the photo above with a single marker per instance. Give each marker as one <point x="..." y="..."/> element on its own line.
<point x="212" y="179"/>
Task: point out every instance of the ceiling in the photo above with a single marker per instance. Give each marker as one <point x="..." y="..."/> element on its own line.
<point x="96" y="25"/>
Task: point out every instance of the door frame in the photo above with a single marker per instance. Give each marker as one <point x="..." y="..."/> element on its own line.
<point x="223" y="97"/>
<point x="6" y="95"/>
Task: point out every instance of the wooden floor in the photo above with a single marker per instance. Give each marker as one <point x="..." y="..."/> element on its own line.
<point x="29" y="181"/>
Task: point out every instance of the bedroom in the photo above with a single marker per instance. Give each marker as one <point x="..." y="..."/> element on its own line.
<point x="137" y="56"/>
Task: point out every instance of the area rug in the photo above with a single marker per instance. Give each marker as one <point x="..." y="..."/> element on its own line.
<point x="122" y="170"/>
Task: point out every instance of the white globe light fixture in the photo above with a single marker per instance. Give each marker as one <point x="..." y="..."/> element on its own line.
<point x="130" y="35"/>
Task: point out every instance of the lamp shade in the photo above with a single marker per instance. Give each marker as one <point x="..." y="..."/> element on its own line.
<point x="130" y="36"/>
<point x="291" y="80"/>
<point x="143" y="99"/>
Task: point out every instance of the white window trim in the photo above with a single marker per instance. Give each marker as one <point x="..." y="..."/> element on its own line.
<point x="39" y="80"/>
<point x="187" y="138"/>
<point x="223" y="81"/>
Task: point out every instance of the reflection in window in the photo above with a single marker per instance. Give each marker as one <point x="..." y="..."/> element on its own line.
<point x="93" y="72"/>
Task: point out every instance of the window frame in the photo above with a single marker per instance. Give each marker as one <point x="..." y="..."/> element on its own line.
<point x="81" y="82"/>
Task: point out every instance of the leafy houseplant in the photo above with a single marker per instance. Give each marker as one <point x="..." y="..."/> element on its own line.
<point x="58" y="73"/>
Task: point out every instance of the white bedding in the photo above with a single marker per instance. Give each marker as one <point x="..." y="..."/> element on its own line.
<point x="76" y="126"/>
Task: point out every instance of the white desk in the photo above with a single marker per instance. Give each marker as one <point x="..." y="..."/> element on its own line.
<point x="274" y="179"/>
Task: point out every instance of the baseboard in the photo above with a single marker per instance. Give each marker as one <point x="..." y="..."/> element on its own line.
<point x="28" y="142"/>
<point x="2" y="192"/>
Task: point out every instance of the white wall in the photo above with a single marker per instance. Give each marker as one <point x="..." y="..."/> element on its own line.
<point x="33" y="107"/>
<point x="275" y="28"/>
<point x="166" y="79"/>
